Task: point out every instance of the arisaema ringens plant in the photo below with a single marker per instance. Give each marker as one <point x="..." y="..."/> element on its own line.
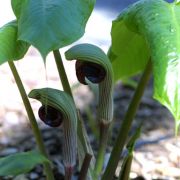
<point x="145" y="37"/>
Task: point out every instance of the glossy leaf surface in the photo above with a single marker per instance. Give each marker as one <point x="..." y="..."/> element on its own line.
<point x="20" y="163"/>
<point x="50" y="25"/>
<point x="158" y="22"/>
<point x="126" y="52"/>
<point x="10" y="48"/>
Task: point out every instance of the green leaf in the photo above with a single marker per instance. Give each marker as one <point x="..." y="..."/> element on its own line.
<point x="10" y="48"/>
<point x="159" y="23"/>
<point x="126" y="52"/>
<point x="20" y="163"/>
<point x="177" y="1"/>
<point x="16" y="7"/>
<point x="50" y="25"/>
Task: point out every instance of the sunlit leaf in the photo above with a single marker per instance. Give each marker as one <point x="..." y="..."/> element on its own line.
<point x="20" y="163"/>
<point x="10" y="48"/>
<point x="16" y="4"/>
<point x="50" y="25"/>
<point x="126" y="52"/>
<point x="158" y="22"/>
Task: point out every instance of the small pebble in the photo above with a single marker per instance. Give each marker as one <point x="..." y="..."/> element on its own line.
<point x="33" y="175"/>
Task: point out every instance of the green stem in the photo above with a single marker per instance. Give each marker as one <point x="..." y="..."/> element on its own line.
<point x="126" y="125"/>
<point x="62" y="72"/>
<point x="36" y="131"/>
<point x="104" y="135"/>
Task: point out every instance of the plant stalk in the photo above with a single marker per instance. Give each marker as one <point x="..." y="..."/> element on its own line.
<point x="85" y="167"/>
<point x="126" y="124"/>
<point x="62" y="72"/>
<point x="83" y="142"/>
<point x="32" y="119"/>
<point x="68" y="173"/>
<point x="104" y="135"/>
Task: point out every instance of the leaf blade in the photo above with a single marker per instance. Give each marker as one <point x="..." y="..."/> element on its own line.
<point x="126" y="52"/>
<point x="50" y="25"/>
<point x="10" y="48"/>
<point x="159" y="23"/>
<point x="20" y="163"/>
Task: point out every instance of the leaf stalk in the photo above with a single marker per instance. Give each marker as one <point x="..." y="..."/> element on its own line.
<point x="62" y="72"/>
<point x="32" y="119"/>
